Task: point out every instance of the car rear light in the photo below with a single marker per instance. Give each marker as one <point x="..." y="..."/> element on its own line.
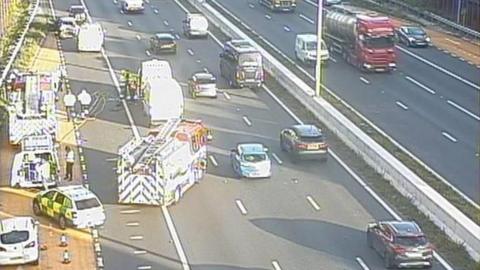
<point x="390" y="50"/>
<point x="398" y="249"/>
<point x="2" y="249"/>
<point x="30" y="245"/>
<point x="323" y="145"/>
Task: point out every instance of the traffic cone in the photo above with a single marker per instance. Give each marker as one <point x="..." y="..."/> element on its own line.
<point x="63" y="240"/>
<point x="66" y="257"/>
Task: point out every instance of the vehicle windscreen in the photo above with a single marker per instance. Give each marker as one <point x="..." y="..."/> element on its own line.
<point x="77" y="10"/>
<point x="14" y="237"/>
<point x="254" y="157"/>
<point x="411" y="241"/>
<point x="314" y="139"/>
<point x="87" y="203"/>
<point x="415" y="31"/>
<point x="310" y="46"/>
<point x="250" y="59"/>
<point x="205" y="80"/>
<point x="165" y="40"/>
<point x="379" y="42"/>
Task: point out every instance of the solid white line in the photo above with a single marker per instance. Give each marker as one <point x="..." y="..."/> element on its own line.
<point x="247" y="121"/>
<point x="131" y="211"/>
<point x="306" y="18"/>
<point x="176" y="239"/>
<point x="448" y="136"/>
<point x="362" y="263"/>
<point x="276" y="265"/>
<point x="213" y="160"/>
<point x="132" y="224"/>
<point x="165" y="23"/>
<point x="144" y="267"/>
<point x="279" y="161"/>
<point x="268" y="17"/>
<point x="476" y="117"/>
<point x="136" y="237"/>
<point x="286" y="28"/>
<point x="298" y="120"/>
<point x="364" y="80"/>
<point x="190" y="52"/>
<point x="467" y="82"/>
<point x="240" y="206"/>
<point x="420" y="85"/>
<point x="129" y="23"/>
<point x="313" y="203"/>
<point x="227" y="96"/>
<point x="139" y="252"/>
<point x="401" y="105"/>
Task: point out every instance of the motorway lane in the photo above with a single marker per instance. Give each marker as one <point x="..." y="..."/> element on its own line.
<point x="279" y="205"/>
<point x="434" y="55"/>
<point x="429" y="115"/>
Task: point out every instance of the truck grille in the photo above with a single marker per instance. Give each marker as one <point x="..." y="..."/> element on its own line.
<point x="285" y="3"/>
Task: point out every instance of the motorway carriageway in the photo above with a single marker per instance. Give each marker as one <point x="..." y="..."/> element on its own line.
<point x="432" y="114"/>
<point x="307" y="216"/>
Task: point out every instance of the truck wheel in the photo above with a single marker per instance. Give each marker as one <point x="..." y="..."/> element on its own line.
<point x="36" y="208"/>
<point x="62" y="223"/>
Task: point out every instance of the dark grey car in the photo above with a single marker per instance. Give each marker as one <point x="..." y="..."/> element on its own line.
<point x="413" y="36"/>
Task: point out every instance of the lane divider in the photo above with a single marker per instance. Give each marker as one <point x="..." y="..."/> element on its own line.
<point x="213" y="160"/>
<point x="241" y="207"/>
<point x="401" y="105"/>
<point x="313" y="203"/>
<point x="449" y="136"/>
<point x="476" y="117"/>
<point x="362" y="263"/>
<point x="247" y="121"/>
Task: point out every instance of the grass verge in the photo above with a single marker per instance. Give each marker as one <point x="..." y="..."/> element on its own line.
<point x="453" y="252"/>
<point x="7" y="42"/>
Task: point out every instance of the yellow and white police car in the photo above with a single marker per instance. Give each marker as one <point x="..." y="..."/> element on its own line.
<point x="19" y="241"/>
<point x="73" y="206"/>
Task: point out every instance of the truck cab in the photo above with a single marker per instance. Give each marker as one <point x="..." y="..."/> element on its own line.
<point x="306" y="49"/>
<point x="241" y="64"/>
<point x="279" y="5"/>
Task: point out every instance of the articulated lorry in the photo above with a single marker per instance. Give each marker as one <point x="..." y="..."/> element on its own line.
<point x="363" y="38"/>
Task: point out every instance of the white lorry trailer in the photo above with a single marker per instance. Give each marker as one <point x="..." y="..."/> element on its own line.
<point x="163" y="100"/>
<point x="90" y="38"/>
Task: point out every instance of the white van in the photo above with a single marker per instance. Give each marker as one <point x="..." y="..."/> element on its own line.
<point x="163" y="100"/>
<point x="155" y="69"/>
<point x="90" y="38"/>
<point x="196" y="24"/>
<point x="19" y="241"/>
<point x="132" y="6"/>
<point x="306" y="49"/>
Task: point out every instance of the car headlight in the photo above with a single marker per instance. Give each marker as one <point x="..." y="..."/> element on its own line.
<point x="428" y="39"/>
<point x="411" y="39"/>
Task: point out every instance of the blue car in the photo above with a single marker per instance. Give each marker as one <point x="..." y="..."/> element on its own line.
<point x="250" y="160"/>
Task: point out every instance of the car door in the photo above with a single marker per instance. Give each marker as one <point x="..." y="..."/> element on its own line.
<point x="58" y="205"/>
<point x="46" y="203"/>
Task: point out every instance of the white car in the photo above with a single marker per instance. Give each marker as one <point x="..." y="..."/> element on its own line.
<point x="74" y="206"/>
<point x="19" y="241"/>
<point x="133" y="6"/>
<point x="202" y="84"/>
<point x="306" y="49"/>
<point x="250" y="160"/>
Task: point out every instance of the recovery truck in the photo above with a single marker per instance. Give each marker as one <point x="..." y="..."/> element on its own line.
<point x="37" y="164"/>
<point x="363" y="38"/>
<point x="160" y="168"/>
<point x="31" y="109"/>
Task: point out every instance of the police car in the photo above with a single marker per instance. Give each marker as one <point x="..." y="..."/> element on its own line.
<point x="19" y="241"/>
<point x="73" y="206"/>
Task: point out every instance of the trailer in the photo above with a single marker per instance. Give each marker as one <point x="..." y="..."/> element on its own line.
<point x="37" y="164"/>
<point x="160" y="168"/>
<point x="363" y="38"/>
<point x="31" y="105"/>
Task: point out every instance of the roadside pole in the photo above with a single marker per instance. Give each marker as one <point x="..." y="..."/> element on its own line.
<point x="318" y="65"/>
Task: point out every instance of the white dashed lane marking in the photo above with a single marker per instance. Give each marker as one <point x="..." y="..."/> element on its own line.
<point x="139" y="252"/>
<point x="129" y="23"/>
<point x="306" y="18"/>
<point x="401" y="105"/>
<point x="133" y="224"/>
<point x="362" y="263"/>
<point x="364" y="80"/>
<point x="190" y="52"/>
<point x="226" y="95"/>
<point x="279" y="161"/>
<point x="276" y="265"/>
<point x="241" y="207"/>
<point x="313" y="203"/>
<point x="213" y="160"/>
<point x="130" y="211"/>
<point x="268" y="17"/>
<point x="147" y="52"/>
<point x="247" y="121"/>
<point x="144" y="267"/>
<point x="286" y="28"/>
<point x="449" y="136"/>
<point x="136" y="237"/>
<point x="165" y="23"/>
<point x="476" y="117"/>
<point x="424" y="87"/>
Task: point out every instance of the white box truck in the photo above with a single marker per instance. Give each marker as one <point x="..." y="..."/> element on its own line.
<point x="90" y="38"/>
<point x="163" y="100"/>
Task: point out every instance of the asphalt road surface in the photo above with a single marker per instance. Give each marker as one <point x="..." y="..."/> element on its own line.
<point x="432" y="114"/>
<point x="280" y="225"/>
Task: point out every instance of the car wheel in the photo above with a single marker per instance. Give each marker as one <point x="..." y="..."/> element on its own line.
<point x="36" y="209"/>
<point x="387" y="260"/>
<point x="409" y="44"/>
<point x="62" y="223"/>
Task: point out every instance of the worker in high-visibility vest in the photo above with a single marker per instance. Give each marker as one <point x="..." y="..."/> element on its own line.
<point x="123" y="84"/>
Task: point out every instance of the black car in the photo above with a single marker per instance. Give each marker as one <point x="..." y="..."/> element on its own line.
<point x="413" y="36"/>
<point x="163" y="42"/>
<point x="304" y="141"/>
<point x="400" y="243"/>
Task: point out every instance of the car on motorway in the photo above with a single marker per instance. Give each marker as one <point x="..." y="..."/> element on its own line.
<point x="306" y="49"/>
<point x="279" y="5"/>
<point x="78" y="13"/>
<point x="195" y="25"/>
<point x="74" y="206"/>
<point x="132" y="6"/>
<point x="250" y="160"/>
<point x="413" y="36"/>
<point x="241" y="64"/>
<point x="400" y="243"/>
<point x="304" y="141"/>
<point x="163" y="43"/>
<point x="19" y="242"/>
<point x="202" y="84"/>
<point x="331" y="2"/>
<point x="66" y="27"/>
